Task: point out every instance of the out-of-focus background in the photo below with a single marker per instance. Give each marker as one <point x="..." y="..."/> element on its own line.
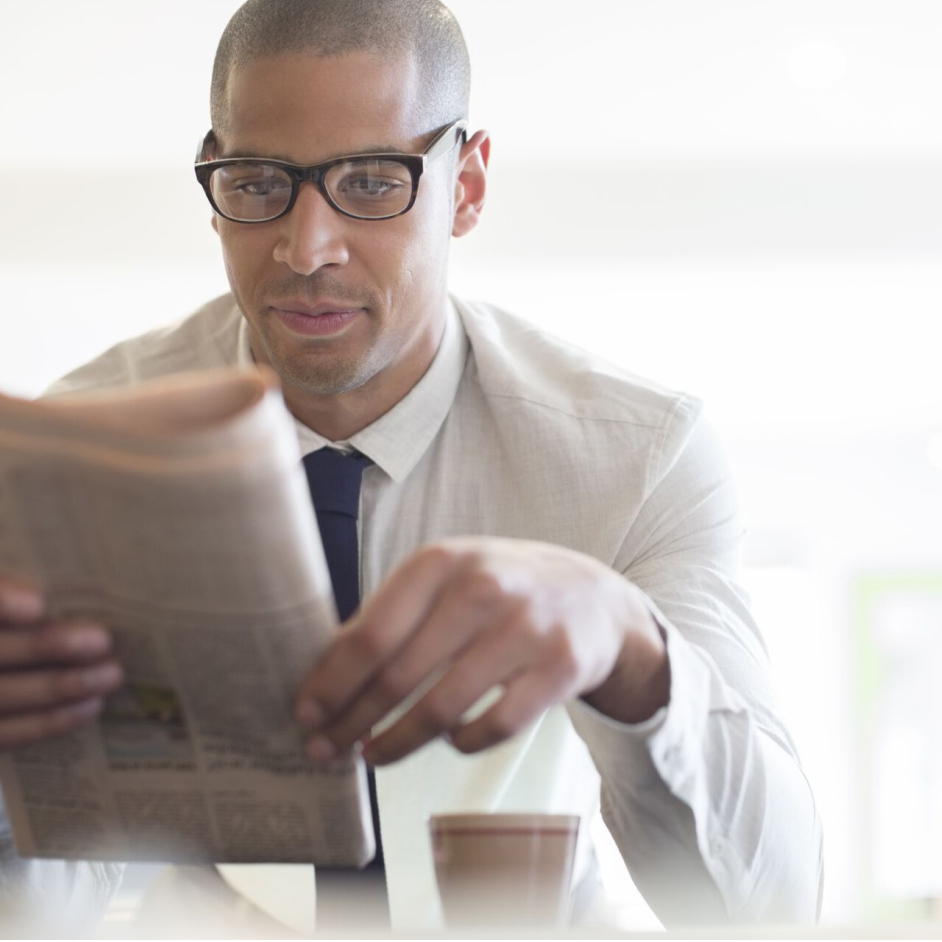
<point x="741" y="199"/>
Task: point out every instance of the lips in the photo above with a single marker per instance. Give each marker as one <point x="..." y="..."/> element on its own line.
<point x="316" y="310"/>
<point x="316" y="320"/>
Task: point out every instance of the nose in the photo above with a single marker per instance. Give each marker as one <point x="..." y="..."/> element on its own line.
<point x="312" y="234"/>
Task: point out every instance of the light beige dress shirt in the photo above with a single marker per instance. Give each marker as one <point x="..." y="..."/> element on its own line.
<point x="513" y="433"/>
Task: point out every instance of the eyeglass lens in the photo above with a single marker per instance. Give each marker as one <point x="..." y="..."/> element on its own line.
<point x="371" y="189"/>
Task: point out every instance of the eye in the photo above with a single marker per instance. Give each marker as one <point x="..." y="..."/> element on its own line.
<point x="242" y="180"/>
<point x="386" y="183"/>
<point x="259" y="187"/>
<point x="369" y="187"/>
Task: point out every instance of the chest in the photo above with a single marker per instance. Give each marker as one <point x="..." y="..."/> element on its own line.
<point x="498" y="480"/>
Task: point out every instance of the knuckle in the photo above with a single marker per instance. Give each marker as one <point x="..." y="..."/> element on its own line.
<point x="483" y="587"/>
<point x="63" y="685"/>
<point x="368" y="643"/>
<point x="392" y="684"/>
<point x="563" y="649"/>
<point x="24" y="730"/>
<point x="523" y="628"/>
<point x="11" y="649"/>
<point x="51" y="723"/>
<point x="434" y="714"/>
<point x="501" y="725"/>
<point x="329" y="700"/>
<point x="37" y="726"/>
<point x="568" y="674"/>
<point x="19" y="604"/>
<point x="54" y="722"/>
<point x="436" y="556"/>
<point x="47" y="643"/>
<point x="464" y="746"/>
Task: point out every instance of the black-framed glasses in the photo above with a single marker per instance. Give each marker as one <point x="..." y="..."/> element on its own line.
<point x="364" y="186"/>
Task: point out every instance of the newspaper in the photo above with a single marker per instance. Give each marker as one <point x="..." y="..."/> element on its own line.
<point x="177" y="513"/>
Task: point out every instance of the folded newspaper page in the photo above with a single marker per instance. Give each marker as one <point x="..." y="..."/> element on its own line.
<point x="177" y="513"/>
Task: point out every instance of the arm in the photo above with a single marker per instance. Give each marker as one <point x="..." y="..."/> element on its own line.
<point x="543" y="625"/>
<point x="706" y="799"/>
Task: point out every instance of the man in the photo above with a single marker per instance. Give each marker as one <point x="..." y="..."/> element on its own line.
<point x="543" y="537"/>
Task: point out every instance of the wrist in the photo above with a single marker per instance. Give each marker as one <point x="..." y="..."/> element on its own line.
<point x="640" y="681"/>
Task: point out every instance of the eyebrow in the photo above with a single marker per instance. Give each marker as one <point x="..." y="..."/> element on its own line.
<point x="256" y="155"/>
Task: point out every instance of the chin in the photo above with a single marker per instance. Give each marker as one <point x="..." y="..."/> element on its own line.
<point x="328" y="379"/>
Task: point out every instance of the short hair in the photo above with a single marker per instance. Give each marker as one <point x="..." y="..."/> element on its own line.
<point x="390" y="29"/>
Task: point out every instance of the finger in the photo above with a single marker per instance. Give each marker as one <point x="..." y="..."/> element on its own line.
<point x="20" y="603"/>
<point x="497" y="659"/>
<point x="53" y="643"/>
<point x="524" y="700"/>
<point x="465" y="609"/>
<point x="31" y="727"/>
<point x="374" y="635"/>
<point x="38" y="690"/>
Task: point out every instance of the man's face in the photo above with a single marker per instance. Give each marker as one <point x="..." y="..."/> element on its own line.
<point x="384" y="280"/>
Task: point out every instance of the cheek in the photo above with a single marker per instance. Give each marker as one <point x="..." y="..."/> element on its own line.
<point x="245" y="253"/>
<point x="419" y="253"/>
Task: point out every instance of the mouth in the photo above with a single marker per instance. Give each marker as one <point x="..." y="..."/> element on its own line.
<point x="318" y="320"/>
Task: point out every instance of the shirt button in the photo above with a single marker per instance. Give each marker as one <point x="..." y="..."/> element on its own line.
<point x="671" y="755"/>
<point x="717" y="847"/>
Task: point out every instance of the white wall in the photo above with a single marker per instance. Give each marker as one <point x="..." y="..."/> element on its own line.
<point x="741" y="199"/>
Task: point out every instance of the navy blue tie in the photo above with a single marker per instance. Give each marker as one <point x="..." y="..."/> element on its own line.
<point x="334" y="480"/>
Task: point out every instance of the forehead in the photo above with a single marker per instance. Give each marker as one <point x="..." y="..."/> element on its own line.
<point x="309" y="108"/>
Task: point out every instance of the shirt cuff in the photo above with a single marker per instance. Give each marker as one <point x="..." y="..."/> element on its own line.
<point x="667" y="745"/>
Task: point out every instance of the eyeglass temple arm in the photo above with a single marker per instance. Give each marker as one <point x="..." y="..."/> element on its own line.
<point x="447" y="140"/>
<point x="442" y="145"/>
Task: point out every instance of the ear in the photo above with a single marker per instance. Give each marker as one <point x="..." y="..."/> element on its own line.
<point x="471" y="184"/>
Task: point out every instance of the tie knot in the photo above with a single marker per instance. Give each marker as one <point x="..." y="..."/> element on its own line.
<point x="334" y="480"/>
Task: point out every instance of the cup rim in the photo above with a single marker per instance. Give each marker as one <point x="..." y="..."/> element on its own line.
<point x="503" y="823"/>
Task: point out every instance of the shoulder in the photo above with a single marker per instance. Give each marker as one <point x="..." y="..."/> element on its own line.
<point x="530" y="371"/>
<point x="209" y="337"/>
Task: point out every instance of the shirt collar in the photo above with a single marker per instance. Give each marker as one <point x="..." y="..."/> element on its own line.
<point x="397" y="440"/>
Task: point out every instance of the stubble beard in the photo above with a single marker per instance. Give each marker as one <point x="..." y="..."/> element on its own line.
<point x="312" y="367"/>
<point x="320" y="374"/>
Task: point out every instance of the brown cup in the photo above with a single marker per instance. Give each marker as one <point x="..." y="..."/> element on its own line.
<point x="504" y="869"/>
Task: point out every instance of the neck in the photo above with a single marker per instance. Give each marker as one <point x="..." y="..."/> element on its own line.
<point x="336" y="417"/>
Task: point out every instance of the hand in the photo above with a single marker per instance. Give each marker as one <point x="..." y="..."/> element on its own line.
<point x="53" y="674"/>
<point x="545" y="623"/>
